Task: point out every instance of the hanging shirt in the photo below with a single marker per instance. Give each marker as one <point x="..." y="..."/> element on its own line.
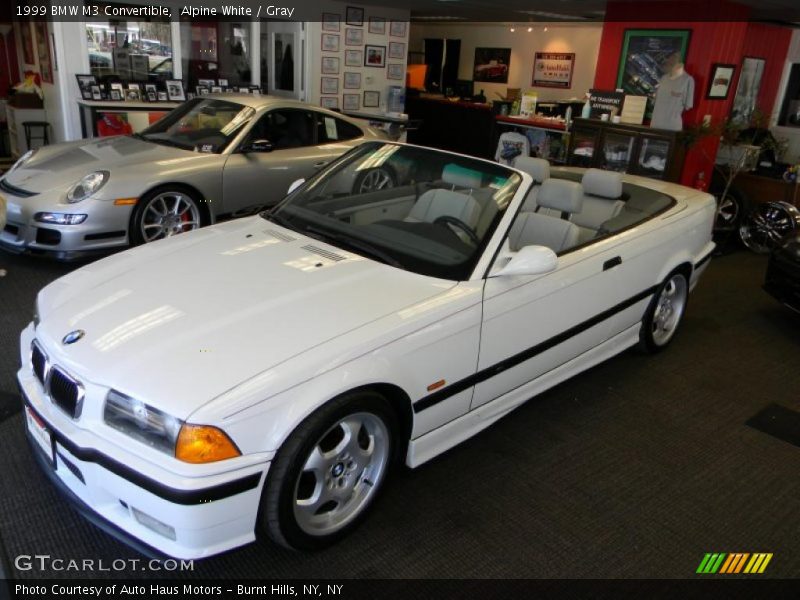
<point x="673" y="96"/>
<point x="511" y="145"/>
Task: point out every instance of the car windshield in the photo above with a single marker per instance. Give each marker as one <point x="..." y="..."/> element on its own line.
<point x="418" y="209"/>
<point x="201" y="125"/>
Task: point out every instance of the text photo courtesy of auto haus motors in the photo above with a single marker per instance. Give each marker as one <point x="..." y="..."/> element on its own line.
<point x="271" y="283"/>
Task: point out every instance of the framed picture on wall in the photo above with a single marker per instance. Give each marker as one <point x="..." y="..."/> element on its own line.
<point x="354" y="16"/>
<point x="330" y="65"/>
<point x="351" y="101"/>
<point x="374" y="56"/>
<point x="395" y="71"/>
<point x="398" y="28"/>
<point x="719" y="83"/>
<point x="353" y="58"/>
<point x="553" y="69"/>
<point x="330" y="102"/>
<point x="372" y="99"/>
<point x="352" y="80"/>
<point x="43" y="50"/>
<point x="491" y="65"/>
<point x="353" y="36"/>
<point x="377" y="25"/>
<point x="27" y="43"/>
<point x="643" y="58"/>
<point x="397" y="50"/>
<point x="329" y="85"/>
<point x="85" y="83"/>
<point x="330" y="42"/>
<point x="744" y="102"/>
<point x="331" y="21"/>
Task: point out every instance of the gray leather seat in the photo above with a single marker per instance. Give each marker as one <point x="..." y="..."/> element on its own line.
<point x="459" y="204"/>
<point x="602" y="191"/>
<point x="535" y="228"/>
<point x="539" y="170"/>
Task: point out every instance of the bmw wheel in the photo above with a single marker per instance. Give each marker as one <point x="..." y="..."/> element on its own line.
<point x="163" y="213"/>
<point x="665" y="313"/>
<point x="329" y="471"/>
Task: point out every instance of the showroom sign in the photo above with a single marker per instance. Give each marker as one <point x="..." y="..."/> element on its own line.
<point x="553" y="69"/>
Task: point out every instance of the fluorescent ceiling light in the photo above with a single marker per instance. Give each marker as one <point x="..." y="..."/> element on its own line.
<point x="552" y="15"/>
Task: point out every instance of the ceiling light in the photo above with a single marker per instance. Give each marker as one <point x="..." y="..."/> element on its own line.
<point x="545" y="29"/>
<point x="511" y="30"/>
<point x="530" y="29"/>
<point x="552" y="15"/>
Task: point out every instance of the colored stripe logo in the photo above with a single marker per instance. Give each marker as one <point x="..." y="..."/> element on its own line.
<point x="734" y="563"/>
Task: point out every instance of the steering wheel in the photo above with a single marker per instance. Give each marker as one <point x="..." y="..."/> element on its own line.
<point x="458" y="223"/>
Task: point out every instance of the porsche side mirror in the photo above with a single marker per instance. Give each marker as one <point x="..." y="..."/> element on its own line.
<point x="258" y="146"/>
<point x="530" y="260"/>
<point x="295" y="184"/>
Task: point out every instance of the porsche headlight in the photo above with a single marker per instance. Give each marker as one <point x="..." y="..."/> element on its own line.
<point x="23" y="159"/>
<point x="87" y="186"/>
<point x="149" y="425"/>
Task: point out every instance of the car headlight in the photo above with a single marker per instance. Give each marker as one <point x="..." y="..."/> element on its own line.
<point x="87" y="186"/>
<point x="23" y="159"/>
<point x="157" y="429"/>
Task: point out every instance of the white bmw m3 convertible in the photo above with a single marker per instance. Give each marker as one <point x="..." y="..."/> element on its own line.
<point x="264" y="375"/>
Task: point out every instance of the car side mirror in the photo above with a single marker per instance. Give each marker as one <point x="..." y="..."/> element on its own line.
<point x="530" y="260"/>
<point x="295" y="184"/>
<point x="258" y="146"/>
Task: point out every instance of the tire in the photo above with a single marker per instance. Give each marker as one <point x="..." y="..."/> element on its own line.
<point x="665" y="313"/>
<point x="730" y="211"/>
<point x="164" y="212"/>
<point x="767" y="225"/>
<point x="371" y="180"/>
<point x="320" y="487"/>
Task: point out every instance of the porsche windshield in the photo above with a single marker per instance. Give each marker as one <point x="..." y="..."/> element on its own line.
<point x="418" y="209"/>
<point x="201" y="124"/>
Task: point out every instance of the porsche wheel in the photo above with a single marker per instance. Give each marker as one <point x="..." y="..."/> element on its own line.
<point x="372" y="180"/>
<point x="329" y="471"/>
<point x="163" y="213"/>
<point x="664" y="315"/>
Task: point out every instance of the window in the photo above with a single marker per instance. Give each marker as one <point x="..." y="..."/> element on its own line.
<point x="331" y="129"/>
<point x="216" y="51"/>
<point x="285" y="128"/>
<point x="130" y="50"/>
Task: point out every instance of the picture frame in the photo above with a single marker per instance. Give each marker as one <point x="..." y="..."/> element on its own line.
<point x="206" y="82"/>
<point x="353" y="36"/>
<point x="162" y="96"/>
<point x="26" y="34"/>
<point x="377" y="25"/>
<point x="372" y="99"/>
<point x="331" y="22"/>
<point x="354" y="15"/>
<point x="96" y="93"/>
<point x="115" y="95"/>
<point x="329" y="85"/>
<point x="397" y="50"/>
<point x="720" y="81"/>
<point x="747" y="89"/>
<point x="133" y="93"/>
<point x="351" y="101"/>
<point x="352" y="80"/>
<point x="398" y="28"/>
<point x="330" y="65"/>
<point x="175" y="91"/>
<point x="330" y="42"/>
<point x="150" y="92"/>
<point x="329" y="102"/>
<point x="43" y="51"/>
<point x="222" y="83"/>
<point x="85" y="83"/>
<point x="641" y="62"/>
<point x="491" y="65"/>
<point x="152" y="96"/>
<point x="395" y="71"/>
<point x="353" y="58"/>
<point x="216" y="89"/>
<point x="553" y="69"/>
<point x="375" y="56"/>
<point x="202" y="90"/>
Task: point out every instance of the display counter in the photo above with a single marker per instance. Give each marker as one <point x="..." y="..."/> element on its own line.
<point x="547" y="136"/>
<point x="138" y="115"/>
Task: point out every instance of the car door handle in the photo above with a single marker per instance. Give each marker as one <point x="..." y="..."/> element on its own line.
<point x="612" y="262"/>
<point x="319" y="165"/>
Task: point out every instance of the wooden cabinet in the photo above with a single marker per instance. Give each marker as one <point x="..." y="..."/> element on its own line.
<point x="633" y="149"/>
<point x="16" y="132"/>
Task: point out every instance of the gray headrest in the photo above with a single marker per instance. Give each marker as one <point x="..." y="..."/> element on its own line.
<point x="606" y="184"/>
<point x="538" y="168"/>
<point x="561" y="195"/>
<point x="461" y="176"/>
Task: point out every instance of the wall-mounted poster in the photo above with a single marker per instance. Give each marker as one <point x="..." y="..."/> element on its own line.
<point x="330" y="42"/>
<point x="744" y="102"/>
<point x="375" y="56"/>
<point x="353" y="58"/>
<point x="331" y="21"/>
<point x="43" y="50"/>
<point x="491" y="65"/>
<point x="353" y="36"/>
<point x="719" y="84"/>
<point x="553" y="69"/>
<point x="644" y="52"/>
<point x="352" y="80"/>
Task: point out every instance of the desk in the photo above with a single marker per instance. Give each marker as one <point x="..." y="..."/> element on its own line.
<point x="90" y="109"/>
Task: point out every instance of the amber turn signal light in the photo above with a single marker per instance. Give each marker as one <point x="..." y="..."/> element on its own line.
<point x="204" y="444"/>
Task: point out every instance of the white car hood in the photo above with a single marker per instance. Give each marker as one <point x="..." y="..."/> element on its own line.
<point x="177" y="323"/>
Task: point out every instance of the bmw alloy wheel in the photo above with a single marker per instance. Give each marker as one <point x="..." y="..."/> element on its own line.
<point x="669" y="309"/>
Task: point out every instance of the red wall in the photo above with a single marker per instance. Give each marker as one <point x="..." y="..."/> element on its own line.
<point x="12" y="59"/>
<point x="710" y="42"/>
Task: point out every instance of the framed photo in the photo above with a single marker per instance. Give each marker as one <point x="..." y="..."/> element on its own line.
<point x="553" y="69"/>
<point x="395" y="71"/>
<point x="329" y="102"/>
<point x="354" y="16"/>
<point x="374" y="56"/>
<point x="43" y="50"/>
<point x="330" y="42"/>
<point x="353" y="37"/>
<point x="719" y="84"/>
<point x="216" y="89"/>
<point x="329" y="85"/>
<point x="351" y="101"/>
<point x="243" y="89"/>
<point x="150" y="92"/>
<point x="222" y="82"/>
<point x="85" y="83"/>
<point x="643" y="58"/>
<point x="115" y="94"/>
<point x="206" y="82"/>
<point x="134" y="93"/>
<point x="353" y="58"/>
<point x="202" y="90"/>
<point x="352" y="80"/>
<point x="152" y="96"/>
<point x="377" y="25"/>
<point x="397" y="50"/>
<point x="27" y="42"/>
<point x="96" y="94"/>
<point x="175" y="90"/>
<point x="398" y="28"/>
<point x="331" y="21"/>
<point x="491" y="65"/>
<point x="330" y="65"/>
<point x="744" y="102"/>
<point x="162" y="96"/>
<point x="372" y="99"/>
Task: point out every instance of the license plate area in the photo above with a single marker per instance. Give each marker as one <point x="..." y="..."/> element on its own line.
<point x="40" y="434"/>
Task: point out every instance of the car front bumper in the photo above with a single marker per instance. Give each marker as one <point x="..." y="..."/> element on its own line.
<point x="202" y="515"/>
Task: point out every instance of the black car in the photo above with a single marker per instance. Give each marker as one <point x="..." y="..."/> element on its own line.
<point x="783" y="272"/>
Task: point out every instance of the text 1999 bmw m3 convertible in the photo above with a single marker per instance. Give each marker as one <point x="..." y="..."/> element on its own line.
<point x="263" y="375"/>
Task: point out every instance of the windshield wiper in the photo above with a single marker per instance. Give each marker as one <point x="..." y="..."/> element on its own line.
<point x="270" y="215"/>
<point x="167" y="142"/>
<point x="356" y="245"/>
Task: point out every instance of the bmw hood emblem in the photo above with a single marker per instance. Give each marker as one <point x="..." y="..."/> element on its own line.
<point x="73" y="336"/>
